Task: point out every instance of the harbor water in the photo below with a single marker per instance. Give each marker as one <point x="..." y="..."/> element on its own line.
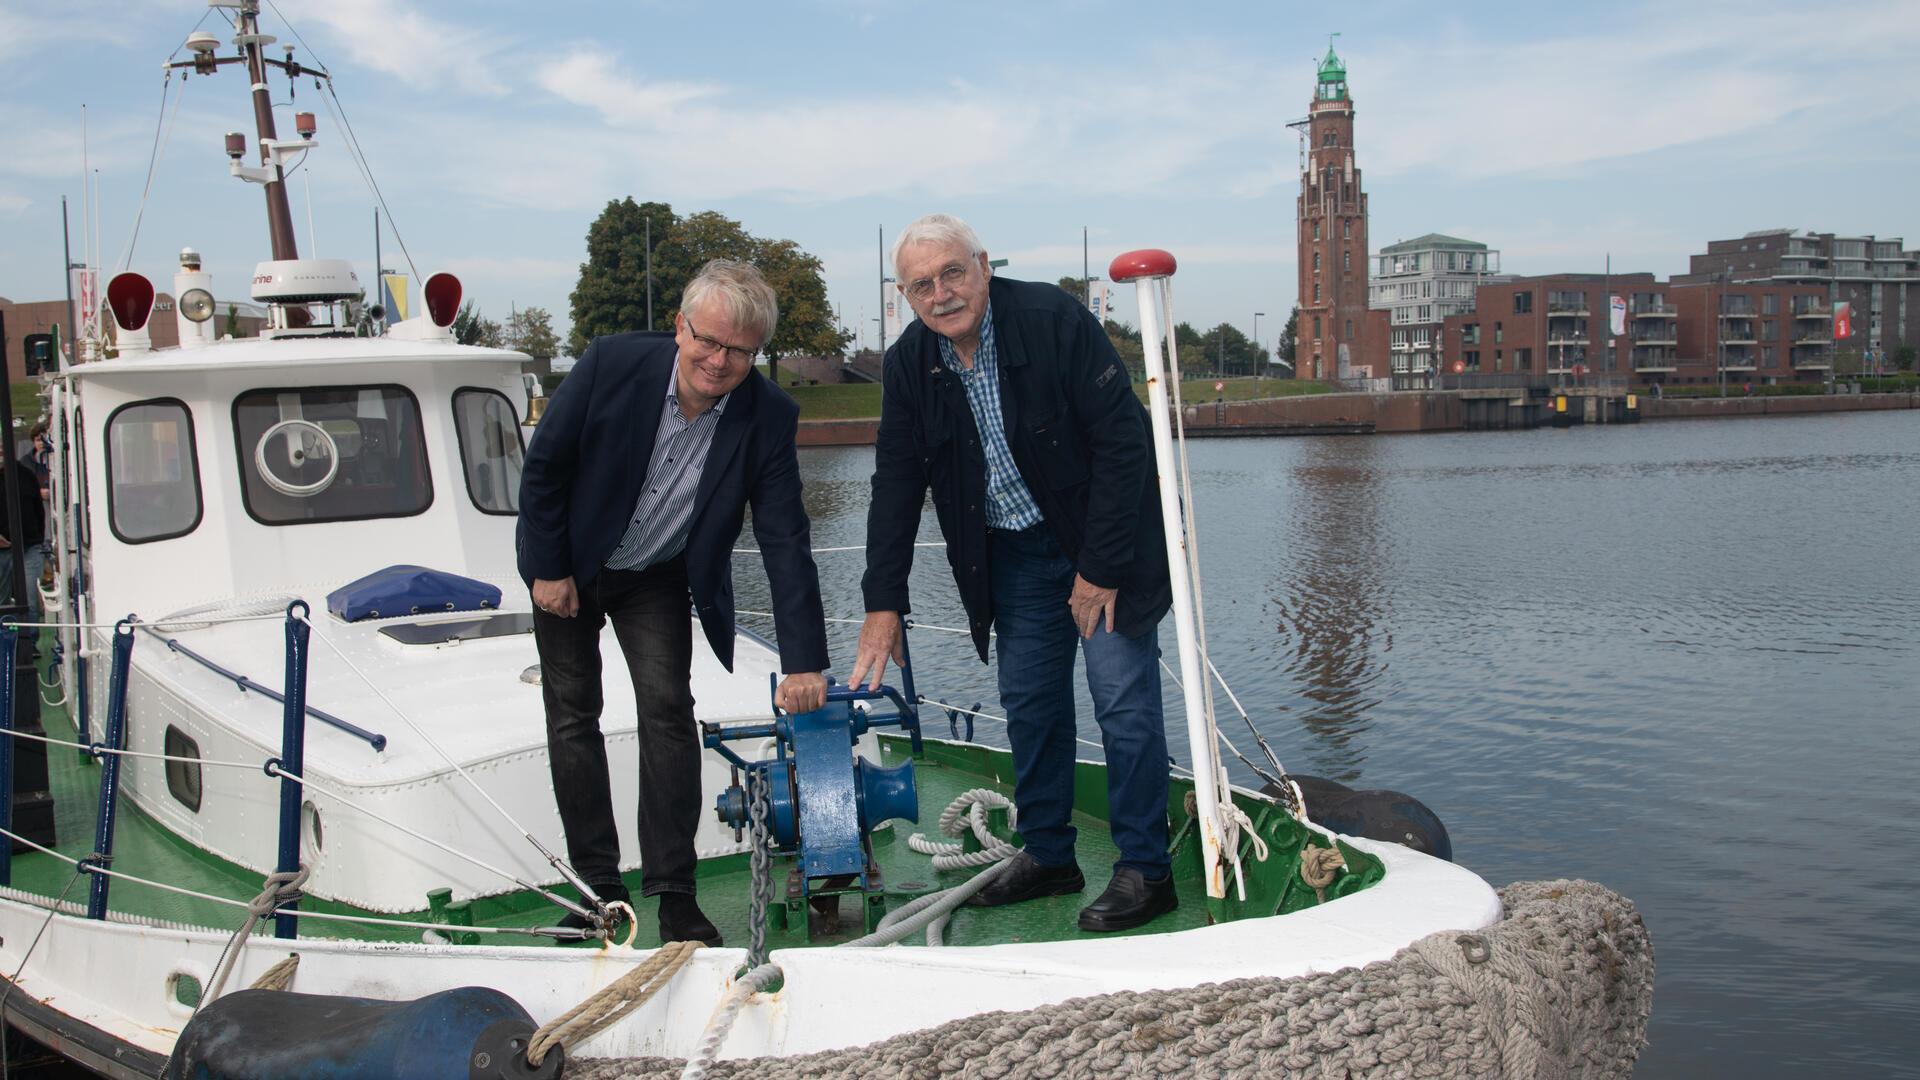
<point x="1681" y="659"/>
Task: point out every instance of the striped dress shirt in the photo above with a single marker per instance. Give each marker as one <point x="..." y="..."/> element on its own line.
<point x="1009" y="504"/>
<point x="664" y="516"/>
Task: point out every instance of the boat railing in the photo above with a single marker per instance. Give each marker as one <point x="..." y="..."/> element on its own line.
<point x="281" y="896"/>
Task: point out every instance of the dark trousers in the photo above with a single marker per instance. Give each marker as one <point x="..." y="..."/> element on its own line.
<point x="1037" y="644"/>
<point x="653" y="623"/>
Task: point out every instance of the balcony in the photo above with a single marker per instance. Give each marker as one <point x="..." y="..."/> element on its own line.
<point x="1740" y="360"/>
<point x="1806" y="359"/>
<point x="1668" y="336"/>
<point x="1656" y="311"/>
<point x="1645" y="359"/>
<point x="1743" y="310"/>
<point x="1578" y="337"/>
<point x="1739" y="333"/>
<point x="1810" y="337"/>
<point x="1568" y="307"/>
<point x="1820" y="310"/>
<point x="1402" y="346"/>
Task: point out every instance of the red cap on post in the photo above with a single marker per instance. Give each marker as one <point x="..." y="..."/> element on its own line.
<point x="304" y="124"/>
<point x="130" y="297"/>
<point x="1145" y="263"/>
<point x="443" y="298"/>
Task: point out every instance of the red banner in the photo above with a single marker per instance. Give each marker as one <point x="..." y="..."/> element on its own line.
<point x="1842" y="321"/>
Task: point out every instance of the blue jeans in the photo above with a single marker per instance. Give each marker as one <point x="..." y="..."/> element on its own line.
<point x="1036" y="642"/>
<point x="36" y="565"/>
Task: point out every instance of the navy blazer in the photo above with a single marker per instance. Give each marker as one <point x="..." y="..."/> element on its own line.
<point x="588" y="460"/>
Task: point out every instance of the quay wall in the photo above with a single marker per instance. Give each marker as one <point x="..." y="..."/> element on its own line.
<point x="1406" y="411"/>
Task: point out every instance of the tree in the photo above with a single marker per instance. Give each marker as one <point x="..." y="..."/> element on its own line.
<point x="611" y="294"/>
<point x="1228" y="352"/>
<point x="1903" y="358"/>
<point x="472" y="328"/>
<point x="530" y="330"/>
<point x="233" y="320"/>
<point x="1126" y="342"/>
<point x="1075" y="287"/>
<point x="1289" y="344"/>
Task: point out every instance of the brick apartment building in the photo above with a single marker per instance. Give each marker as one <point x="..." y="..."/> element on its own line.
<point x="1875" y="275"/>
<point x="1418" y="283"/>
<point x="1331" y="218"/>
<point x="1553" y="325"/>
<point x="1557" y="326"/>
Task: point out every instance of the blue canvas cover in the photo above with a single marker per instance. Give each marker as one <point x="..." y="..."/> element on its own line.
<point x="410" y="590"/>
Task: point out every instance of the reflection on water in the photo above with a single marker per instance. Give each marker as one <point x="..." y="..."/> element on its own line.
<point x="1331" y="596"/>
<point x="1681" y="659"/>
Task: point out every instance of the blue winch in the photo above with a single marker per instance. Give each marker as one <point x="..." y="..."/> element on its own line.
<point x="823" y="799"/>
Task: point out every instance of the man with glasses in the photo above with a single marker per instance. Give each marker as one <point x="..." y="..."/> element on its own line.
<point x="631" y="500"/>
<point x="1008" y="401"/>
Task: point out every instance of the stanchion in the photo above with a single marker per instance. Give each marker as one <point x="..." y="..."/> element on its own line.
<point x="9" y="642"/>
<point x="293" y="744"/>
<point x="102" y="856"/>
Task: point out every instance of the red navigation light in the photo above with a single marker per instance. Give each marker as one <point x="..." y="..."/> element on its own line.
<point x="443" y="298"/>
<point x="236" y="145"/>
<point x="1145" y="263"/>
<point x="303" y="123"/>
<point x="131" y="298"/>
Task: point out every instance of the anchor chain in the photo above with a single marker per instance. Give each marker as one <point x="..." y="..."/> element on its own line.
<point x="762" y="864"/>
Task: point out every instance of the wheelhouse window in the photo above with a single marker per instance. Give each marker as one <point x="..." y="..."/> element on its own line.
<point x="153" y="478"/>
<point x="490" y="449"/>
<point x="331" y="453"/>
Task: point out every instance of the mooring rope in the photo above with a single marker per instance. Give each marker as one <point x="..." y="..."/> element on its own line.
<point x="612" y="1003"/>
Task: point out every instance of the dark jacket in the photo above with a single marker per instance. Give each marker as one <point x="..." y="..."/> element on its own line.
<point x="1079" y="438"/>
<point x="589" y="458"/>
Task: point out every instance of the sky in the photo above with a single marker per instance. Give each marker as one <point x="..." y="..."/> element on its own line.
<point x="1559" y="135"/>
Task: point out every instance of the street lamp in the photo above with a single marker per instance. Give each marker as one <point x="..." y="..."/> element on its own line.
<point x="1256" y="345"/>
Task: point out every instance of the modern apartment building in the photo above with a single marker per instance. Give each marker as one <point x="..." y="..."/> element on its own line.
<point x="1875" y="275"/>
<point x="1556" y="324"/>
<point x="1559" y="327"/>
<point x="1418" y="283"/>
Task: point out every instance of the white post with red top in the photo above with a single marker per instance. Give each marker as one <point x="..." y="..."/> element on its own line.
<point x="1155" y="266"/>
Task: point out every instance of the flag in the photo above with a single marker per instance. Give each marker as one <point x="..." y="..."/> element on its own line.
<point x="86" y="302"/>
<point x="1617" y="315"/>
<point x="393" y="296"/>
<point x="1842" y="321"/>
<point x="893" y="325"/>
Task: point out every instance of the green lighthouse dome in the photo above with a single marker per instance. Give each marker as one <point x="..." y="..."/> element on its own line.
<point x="1333" y="76"/>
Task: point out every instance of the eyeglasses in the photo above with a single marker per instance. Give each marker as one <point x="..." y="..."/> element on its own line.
<point x="951" y="277"/>
<point x="734" y="353"/>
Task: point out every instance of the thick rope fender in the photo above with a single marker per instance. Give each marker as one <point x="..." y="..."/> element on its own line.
<point x="1562" y="987"/>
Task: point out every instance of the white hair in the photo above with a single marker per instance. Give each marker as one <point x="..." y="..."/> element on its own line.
<point x="943" y="229"/>
<point x="741" y="291"/>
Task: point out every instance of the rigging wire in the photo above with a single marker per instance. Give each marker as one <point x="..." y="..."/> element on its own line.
<point x="162" y="134"/>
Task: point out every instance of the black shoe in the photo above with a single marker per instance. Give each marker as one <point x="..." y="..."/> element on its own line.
<point x="608" y="894"/>
<point x="682" y="920"/>
<point x="1025" y="879"/>
<point x="1130" y="900"/>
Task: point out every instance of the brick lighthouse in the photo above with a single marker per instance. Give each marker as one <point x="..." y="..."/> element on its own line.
<point x="1332" y="235"/>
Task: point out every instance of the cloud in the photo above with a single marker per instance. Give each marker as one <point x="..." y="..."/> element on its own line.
<point x="1666" y="78"/>
<point x="13" y="204"/>
<point x="589" y="76"/>
<point x="391" y="37"/>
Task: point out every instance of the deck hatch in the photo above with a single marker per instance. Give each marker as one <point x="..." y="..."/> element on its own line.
<point x="507" y="624"/>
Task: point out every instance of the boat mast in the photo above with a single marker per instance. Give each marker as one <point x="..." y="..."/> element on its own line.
<point x="271" y="173"/>
<point x="252" y="45"/>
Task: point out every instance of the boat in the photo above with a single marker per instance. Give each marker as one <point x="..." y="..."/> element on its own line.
<point x="284" y="790"/>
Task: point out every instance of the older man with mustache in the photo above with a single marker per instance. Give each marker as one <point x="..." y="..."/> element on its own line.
<point x="1008" y="401"/>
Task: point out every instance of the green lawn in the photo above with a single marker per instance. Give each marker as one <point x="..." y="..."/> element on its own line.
<point x="855" y="401"/>
<point x="26" y="400"/>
